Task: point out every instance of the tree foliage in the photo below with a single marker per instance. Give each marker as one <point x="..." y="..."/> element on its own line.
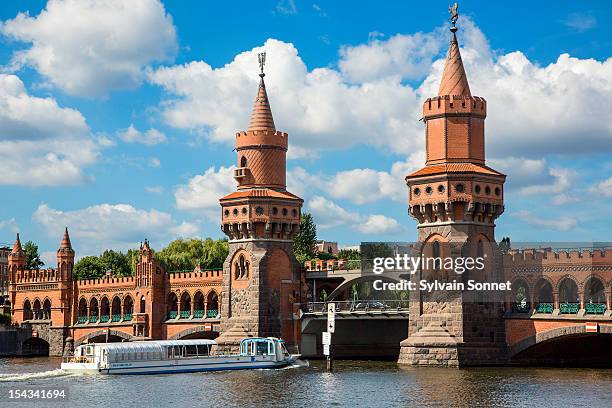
<point x="186" y="254"/>
<point x="116" y="262"/>
<point x="32" y="257"/>
<point x="304" y="243"/>
<point x="349" y="254"/>
<point x="88" y="267"/>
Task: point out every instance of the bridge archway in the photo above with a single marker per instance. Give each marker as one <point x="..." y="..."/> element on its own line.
<point x="198" y="332"/>
<point x="35" y="346"/>
<point x="99" y="336"/>
<point x="568" y="346"/>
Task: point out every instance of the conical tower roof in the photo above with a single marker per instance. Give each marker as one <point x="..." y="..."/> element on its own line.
<point x="261" y="116"/>
<point x="17" y="246"/>
<point x="454" y="81"/>
<point x="65" y="244"/>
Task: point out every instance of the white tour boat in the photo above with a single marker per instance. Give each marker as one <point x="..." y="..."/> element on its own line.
<point x="176" y="356"/>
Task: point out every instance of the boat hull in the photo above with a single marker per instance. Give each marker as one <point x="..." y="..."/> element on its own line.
<point x="179" y="366"/>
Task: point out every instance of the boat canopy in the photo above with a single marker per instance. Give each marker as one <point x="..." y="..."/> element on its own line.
<point x="154" y="349"/>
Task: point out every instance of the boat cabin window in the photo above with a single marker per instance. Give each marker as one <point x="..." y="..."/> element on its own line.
<point x="257" y="347"/>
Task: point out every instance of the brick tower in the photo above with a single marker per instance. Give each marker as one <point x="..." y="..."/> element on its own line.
<point x="16" y="270"/>
<point x="455" y="199"/>
<point x="150" y="309"/>
<point x="261" y="278"/>
<point x="65" y="264"/>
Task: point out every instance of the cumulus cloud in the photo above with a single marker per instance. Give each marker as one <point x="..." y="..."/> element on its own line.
<point x="559" y="188"/>
<point x="90" y="47"/>
<point x="202" y="192"/>
<point x="563" y="223"/>
<point x="328" y="214"/>
<point x="150" y="137"/>
<point x="603" y="188"/>
<point x="533" y="110"/>
<point x="9" y="225"/>
<point x="117" y="226"/>
<point x="42" y="143"/>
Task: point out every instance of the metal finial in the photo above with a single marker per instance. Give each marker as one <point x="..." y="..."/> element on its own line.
<point x="454" y="15"/>
<point x="262" y="62"/>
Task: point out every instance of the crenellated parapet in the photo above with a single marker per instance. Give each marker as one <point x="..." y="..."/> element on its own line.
<point x="454" y="105"/>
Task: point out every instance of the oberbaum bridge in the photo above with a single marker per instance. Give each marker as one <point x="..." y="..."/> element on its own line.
<point x="559" y="311"/>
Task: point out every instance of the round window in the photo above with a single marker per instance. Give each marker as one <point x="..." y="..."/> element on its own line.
<point x="226" y="212"/>
<point x="497" y="191"/>
<point x="477" y="189"/>
<point x="259" y="210"/>
<point x="440" y="188"/>
<point x="244" y="210"/>
<point x="274" y="210"/>
<point x="487" y="190"/>
<point x="428" y="190"/>
<point x="294" y="212"/>
<point x="416" y="191"/>
<point x="459" y="188"/>
<point x="235" y="211"/>
<point x="284" y="211"/>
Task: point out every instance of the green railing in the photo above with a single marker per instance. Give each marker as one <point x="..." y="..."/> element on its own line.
<point x="569" y="308"/>
<point x="198" y="314"/>
<point x="104" y="318"/>
<point x="212" y="313"/>
<point x="545" y="308"/>
<point x="521" y="308"/>
<point x="173" y="314"/>
<point x="127" y="317"/>
<point x="82" y="319"/>
<point x="185" y="314"/>
<point x="116" y="318"/>
<point x="93" y="319"/>
<point x="595" y="308"/>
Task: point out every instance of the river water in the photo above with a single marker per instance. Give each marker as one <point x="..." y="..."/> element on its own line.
<point x="352" y="384"/>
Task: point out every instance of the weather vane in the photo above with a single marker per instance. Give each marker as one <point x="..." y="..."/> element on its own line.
<point x="452" y="10"/>
<point x="262" y="62"/>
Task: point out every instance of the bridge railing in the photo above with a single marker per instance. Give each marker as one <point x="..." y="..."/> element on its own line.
<point x="349" y="306"/>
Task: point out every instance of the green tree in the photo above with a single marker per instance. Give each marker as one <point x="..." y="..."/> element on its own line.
<point x="186" y="254"/>
<point x="133" y="256"/>
<point x="89" y="267"/>
<point x="349" y="254"/>
<point x="117" y="262"/>
<point x="33" y="260"/>
<point x="304" y="243"/>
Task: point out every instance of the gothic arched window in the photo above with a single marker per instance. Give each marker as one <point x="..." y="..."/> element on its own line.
<point x="243" y="161"/>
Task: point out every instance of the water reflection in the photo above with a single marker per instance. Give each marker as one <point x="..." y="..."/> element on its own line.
<point x="353" y="383"/>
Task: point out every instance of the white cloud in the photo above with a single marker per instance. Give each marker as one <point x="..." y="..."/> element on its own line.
<point x="202" y="192"/>
<point x="286" y="7"/>
<point x="42" y="144"/>
<point x="563" y="223"/>
<point x="154" y="162"/>
<point x="533" y="110"/>
<point x="9" y="225"/>
<point x="150" y="137"/>
<point x="603" y="188"/>
<point x="154" y="189"/>
<point x="117" y="226"/>
<point x="559" y="188"/>
<point x="328" y="214"/>
<point x="91" y="47"/>
<point x="580" y="22"/>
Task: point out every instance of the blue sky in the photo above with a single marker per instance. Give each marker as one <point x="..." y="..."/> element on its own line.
<point x="117" y="118"/>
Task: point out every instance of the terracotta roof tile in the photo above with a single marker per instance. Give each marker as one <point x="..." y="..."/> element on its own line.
<point x="261" y="193"/>
<point x="454" y="168"/>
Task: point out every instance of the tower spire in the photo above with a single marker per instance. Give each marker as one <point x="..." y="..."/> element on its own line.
<point x="261" y="116"/>
<point x="65" y="244"/>
<point x="17" y="245"/>
<point x="454" y="80"/>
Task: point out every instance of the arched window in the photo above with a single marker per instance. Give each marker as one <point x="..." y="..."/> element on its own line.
<point x="142" y="304"/>
<point x="241" y="268"/>
<point x="128" y="308"/>
<point x="594" y="292"/>
<point x="198" y="305"/>
<point x="37" y="310"/>
<point x="172" y="306"/>
<point x="480" y="249"/>
<point x="185" y="305"/>
<point x="27" y="310"/>
<point x="435" y="253"/>
<point x="47" y="309"/>
<point x="82" y="308"/>
<point x="544" y="302"/>
<point x="94" y="312"/>
<point x="243" y="161"/>
<point x="520" y="297"/>
<point x="116" y="309"/>
<point x="212" y="304"/>
<point x="568" y="291"/>
<point x="104" y="310"/>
